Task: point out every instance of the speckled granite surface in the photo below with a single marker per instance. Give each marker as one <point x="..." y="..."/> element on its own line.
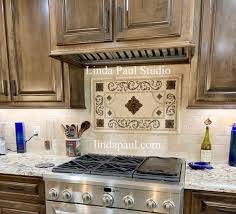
<point x="24" y="164"/>
<point x="221" y="179"/>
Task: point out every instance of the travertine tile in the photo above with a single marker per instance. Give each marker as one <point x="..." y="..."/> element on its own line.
<point x="136" y="105"/>
<point x="186" y="144"/>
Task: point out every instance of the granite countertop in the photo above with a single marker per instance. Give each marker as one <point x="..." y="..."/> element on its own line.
<point x="222" y="178"/>
<point x="24" y="164"/>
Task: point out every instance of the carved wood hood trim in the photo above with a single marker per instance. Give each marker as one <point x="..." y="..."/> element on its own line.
<point x="137" y="56"/>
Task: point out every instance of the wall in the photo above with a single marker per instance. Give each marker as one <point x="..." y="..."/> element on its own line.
<point x="185" y="144"/>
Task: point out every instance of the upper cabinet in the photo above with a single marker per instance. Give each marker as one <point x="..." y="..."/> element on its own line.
<point x="34" y="76"/>
<point x="107" y="30"/>
<point x="213" y="78"/>
<point x="142" y="19"/>
<point x="83" y="21"/>
<point x="89" y="21"/>
<point x="29" y="77"/>
<point x="4" y="75"/>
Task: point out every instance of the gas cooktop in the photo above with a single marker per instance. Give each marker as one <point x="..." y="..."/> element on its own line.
<point x="151" y="168"/>
<point x="116" y="184"/>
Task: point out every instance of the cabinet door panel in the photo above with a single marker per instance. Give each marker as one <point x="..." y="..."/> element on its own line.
<point x="34" y="76"/>
<point x="216" y="71"/>
<point x="12" y="207"/>
<point x="220" y="209"/>
<point x="140" y="19"/>
<point x="4" y="75"/>
<point x="209" y="203"/>
<point x="22" y="189"/>
<point x="83" y="21"/>
<point x="13" y="211"/>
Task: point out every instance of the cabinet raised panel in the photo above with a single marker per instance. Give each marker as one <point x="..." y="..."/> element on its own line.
<point x="35" y="77"/>
<point x="4" y="77"/>
<point x="21" y="195"/>
<point x="22" y="189"/>
<point x="83" y="21"/>
<point x="142" y="19"/>
<point x="14" y="211"/>
<point x="202" y="202"/>
<point x="11" y="207"/>
<point x="216" y="69"/>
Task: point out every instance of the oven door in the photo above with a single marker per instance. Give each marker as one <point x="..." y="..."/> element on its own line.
<point x="66" y="208"/>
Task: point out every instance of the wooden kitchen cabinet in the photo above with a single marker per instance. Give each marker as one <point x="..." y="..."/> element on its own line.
<point x="141" y="19"/>
<point x="34" y="76"/>
<point x="21" y="195"/>
<point x="103" y="29"/>
<point x="203" y="202"/>
<point x="4" y="72"/>
<point x="88" y="21"/>
<point x="7" y="207"/>
<point x="29" y="77"/>
<point x="83" y="21"/>
<point x="213" y="76"/>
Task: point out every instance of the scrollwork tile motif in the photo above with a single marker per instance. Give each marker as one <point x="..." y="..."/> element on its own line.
<point x="134" y="85"/>
<point x="134" y="124"/>
<point x="170" y="104"/>
<point x="99" y="105"/>
<point x="139" y="104"/>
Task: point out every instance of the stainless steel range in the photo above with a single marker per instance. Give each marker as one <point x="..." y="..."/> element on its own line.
<point x="99" y="184"/>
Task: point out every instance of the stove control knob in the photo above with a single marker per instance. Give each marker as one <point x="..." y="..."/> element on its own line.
<point x="87" y="198"/>
<point x="168" y="205"/>
<point x="107" y="200"/>
<point x="53" y="194"/>
<point x="67" y="195"/>
<point x="151" y="205"/>
<point x="128" y="201"/>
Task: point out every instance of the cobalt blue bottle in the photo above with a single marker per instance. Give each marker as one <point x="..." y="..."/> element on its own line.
<point x="20" y="137"/>
<point x="232" y="152"/>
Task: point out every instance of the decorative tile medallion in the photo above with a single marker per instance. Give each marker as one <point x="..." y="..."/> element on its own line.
<point x="133" y="105"/>
<point x="140" y="105"/>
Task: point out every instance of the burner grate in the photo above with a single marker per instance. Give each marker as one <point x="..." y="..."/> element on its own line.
<point x="153" y="168"/>
<point x="83" y="164"/>
<point x="119" y="166"/>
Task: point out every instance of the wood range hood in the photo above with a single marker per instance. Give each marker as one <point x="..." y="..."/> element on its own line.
<point x="181" y="53"/>
<point x="124" y="32"/>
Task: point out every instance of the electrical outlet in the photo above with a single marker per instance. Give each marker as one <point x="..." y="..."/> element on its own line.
<point x="36" y="130"/>
<point x="47" y="144"/>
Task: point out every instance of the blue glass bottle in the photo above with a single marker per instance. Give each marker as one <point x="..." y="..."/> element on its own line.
<point x="20" y="137"/>
<point x="232" y="152"/>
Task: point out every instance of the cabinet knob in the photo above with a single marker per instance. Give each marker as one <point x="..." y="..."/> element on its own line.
<point x="13" y="88"/>
<point x="120" y="19"/>
<point x="107" y="20"/>
<point x="5" y="87"/>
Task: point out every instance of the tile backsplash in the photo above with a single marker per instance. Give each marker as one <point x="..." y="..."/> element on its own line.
<point x="148" y="105"/>
<point x="184" y="144"/>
